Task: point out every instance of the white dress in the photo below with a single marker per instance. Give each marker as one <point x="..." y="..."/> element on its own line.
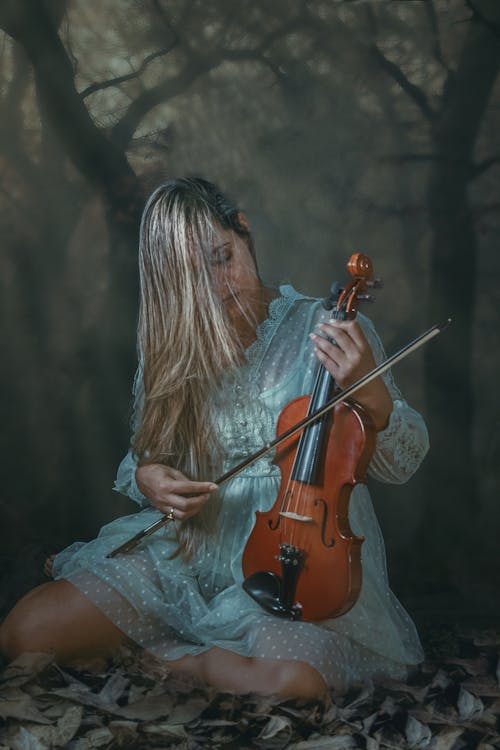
<point x="173" y="608"/>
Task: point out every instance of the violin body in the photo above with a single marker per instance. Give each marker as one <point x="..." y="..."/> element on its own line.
<point x="326" y="581"/>
<point x="302" y="560"/>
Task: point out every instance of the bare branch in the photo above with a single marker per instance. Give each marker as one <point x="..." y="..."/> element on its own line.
<point x="91" y="152"/>
<point x="405" y="158"/>
<point x="413" y="91"/>
<point x="197" y="66"/>
<point x="13" y="100"/>
<point x="433" y="22"/>
<point x="477" y="15"/>
<point x="487" y="208"/>
<point x="147" y="100"/>
<point x="483" y="166"/>
<point x="474" y="170"/>
<point x="130" y="76"/>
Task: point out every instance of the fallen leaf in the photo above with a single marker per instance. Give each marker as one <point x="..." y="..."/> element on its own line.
<point x="25" y="667"/>
<point x="365" y="695"/>
<point x="468" y="705"/>
<point x="68" y="724"/>
<point x="146" y="709"/>
<point x="81" y="744"/>
<point x="60" y="734"/>
<point x="417" y="734"/>
<point x="389" y="706"/>
<point x="53" y="710"/>
<point x="367" y="722"/>
<point x="338" y="742"/>
<point x="14" y="704"/>
<point x="487" y="638"/>
<point x="446" y="739"/>
<point x="485" y="686"/>
<point x="472" y="666"/>
<point x="188" y="711"/>
<point x="274" y="726"/>
<point x="418" y="693"/>
<point x="495" y="707"/>
<point x="331" y="714"/>
<point x="84" y="696"/>
<point x="99" y="737"/>
<point x="165" y="728"/>
<point x="114" y="687"/>
<point x="440" y="680"/>
<point x="123" y="724"/>
<point x="219" y="723"/>
<point x="24" y="740"/>
<point x="136" y="692"/>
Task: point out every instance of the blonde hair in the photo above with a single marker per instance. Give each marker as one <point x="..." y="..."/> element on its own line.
<point x="185" y="341"/>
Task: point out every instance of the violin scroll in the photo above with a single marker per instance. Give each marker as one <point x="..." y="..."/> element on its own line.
<point x="343" y="299"/>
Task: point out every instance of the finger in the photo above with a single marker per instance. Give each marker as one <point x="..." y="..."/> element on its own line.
<point x="331" y="351"/>
<point x="328" y="363"/>
<point x="342" y="339"/>
<point x="352" y="328"/>
<point x="189" y="487"/>
<point x="47" y="568"/>
<point x="181" y="507"/>
<point x="175" y="473"/>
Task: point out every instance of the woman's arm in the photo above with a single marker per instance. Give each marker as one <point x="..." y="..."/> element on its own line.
<point x="402" y="439"/>
<point x="125" y="481"/>
<point x="164" y="487"/>
<point x="402" y="445"/>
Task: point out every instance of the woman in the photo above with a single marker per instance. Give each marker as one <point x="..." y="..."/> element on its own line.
<point x="220" y="354"/>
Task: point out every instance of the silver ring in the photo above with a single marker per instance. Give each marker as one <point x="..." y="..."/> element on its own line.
<point x="170" y="515"/>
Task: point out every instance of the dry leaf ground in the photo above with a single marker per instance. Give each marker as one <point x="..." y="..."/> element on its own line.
<point x="452" y="702"/>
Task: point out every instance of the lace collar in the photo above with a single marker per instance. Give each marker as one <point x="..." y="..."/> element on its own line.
<point x="278" y="308"/>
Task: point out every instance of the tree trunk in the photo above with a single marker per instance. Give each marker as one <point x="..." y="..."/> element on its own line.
<point x="452" y="500"/>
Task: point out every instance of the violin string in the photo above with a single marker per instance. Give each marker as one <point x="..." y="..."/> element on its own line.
<point x="300" y="505"/>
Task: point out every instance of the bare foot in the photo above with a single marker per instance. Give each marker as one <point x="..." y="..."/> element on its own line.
<point x="47" y="566"/>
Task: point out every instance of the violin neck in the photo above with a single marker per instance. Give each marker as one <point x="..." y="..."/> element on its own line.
<point x="308" y="464"/>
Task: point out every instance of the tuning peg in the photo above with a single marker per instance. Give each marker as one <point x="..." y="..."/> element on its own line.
<point x="330" y="302"/>
<point x="375" y="284"/>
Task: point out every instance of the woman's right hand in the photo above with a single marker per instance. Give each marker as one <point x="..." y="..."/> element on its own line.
<point x="170" y="490"/>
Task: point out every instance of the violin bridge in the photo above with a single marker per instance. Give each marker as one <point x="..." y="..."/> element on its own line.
<point x="296" y="516"/>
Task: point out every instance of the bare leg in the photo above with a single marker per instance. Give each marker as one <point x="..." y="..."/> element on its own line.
<point x="58" y="619"/>
<point x="229" y="671"/>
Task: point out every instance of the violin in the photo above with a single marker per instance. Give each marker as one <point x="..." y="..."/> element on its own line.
<point x="264" y="579"/>
<point x="302" y="560"/>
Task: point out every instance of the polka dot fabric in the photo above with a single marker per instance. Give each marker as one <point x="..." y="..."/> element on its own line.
<point x="172" y="607"/>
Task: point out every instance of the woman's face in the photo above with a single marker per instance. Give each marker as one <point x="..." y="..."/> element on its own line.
<point x="235" y="276"/>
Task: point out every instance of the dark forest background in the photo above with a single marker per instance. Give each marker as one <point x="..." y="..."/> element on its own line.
<point x="338" y="126"/>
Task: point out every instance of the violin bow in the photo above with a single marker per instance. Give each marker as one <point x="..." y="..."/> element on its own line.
<point x="419" y="341"/>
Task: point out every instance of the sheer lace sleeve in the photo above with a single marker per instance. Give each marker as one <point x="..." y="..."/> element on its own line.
<point x="125" y="482"/>
<point x="402" y="445"/>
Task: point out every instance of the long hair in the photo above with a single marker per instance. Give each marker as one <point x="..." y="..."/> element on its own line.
<point x="185" y="341"/>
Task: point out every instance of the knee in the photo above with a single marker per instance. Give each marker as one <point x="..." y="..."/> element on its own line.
<point x="20" y="631"/>
<point x="15" y="637"/>
<point x="296" y="679"/>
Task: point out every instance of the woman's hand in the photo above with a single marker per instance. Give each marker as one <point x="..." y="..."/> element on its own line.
<point x="170" y="490"/>
<point x="348" y="360"/>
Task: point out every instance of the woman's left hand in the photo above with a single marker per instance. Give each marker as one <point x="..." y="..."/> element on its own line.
<point x="347" y="360"/>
